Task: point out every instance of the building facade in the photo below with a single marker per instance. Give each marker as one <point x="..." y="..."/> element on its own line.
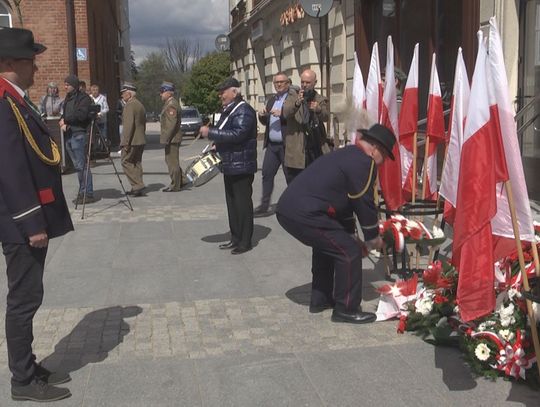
<point x="89" y="38"/>
<point x="270" y="36"/>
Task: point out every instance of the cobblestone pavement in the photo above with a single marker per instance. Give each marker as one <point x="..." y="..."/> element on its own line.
<point x="119" y="213"/>
<point x="194" y="330"/>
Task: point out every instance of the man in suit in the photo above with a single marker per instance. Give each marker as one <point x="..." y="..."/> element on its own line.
<point x="316" y="210"/>
<point x="306" y="135"/>
<point x="171" y="136"/>
<point x="32" y="211"/>
<point x="235" y="136"/>
<point x="133" y="138"/>
<point x="272" y="117"/>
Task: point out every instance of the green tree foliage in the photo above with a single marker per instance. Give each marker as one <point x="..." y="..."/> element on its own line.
<point x="206" y="74"/>
<point x="151" y="72"/>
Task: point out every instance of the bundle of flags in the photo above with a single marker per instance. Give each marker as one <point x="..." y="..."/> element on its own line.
<point x="482" y="152"/>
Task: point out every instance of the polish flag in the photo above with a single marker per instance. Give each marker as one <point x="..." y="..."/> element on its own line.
<point x="374" y="88"/>
<point x="358" y="95"/>
<point x="434" y="132"/>
<point x="502" y="222"/>
<point x="458" y="111"/>
<point x="390" y="171"/>
<point x="408" y="126"/>
<point x="482" y="166"/>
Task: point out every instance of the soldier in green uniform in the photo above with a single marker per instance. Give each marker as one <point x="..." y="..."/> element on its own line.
<point x="133" y="138"/>
<point x="171" y="136"/>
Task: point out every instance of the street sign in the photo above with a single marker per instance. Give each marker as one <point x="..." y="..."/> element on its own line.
<point x="316" y="8"/>
<point x="222" y="42"/>
<point x="82" y="54"/>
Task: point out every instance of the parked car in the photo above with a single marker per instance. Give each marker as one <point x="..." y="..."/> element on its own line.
<point x="152" y="117"/>
<point x="191" y="121"/>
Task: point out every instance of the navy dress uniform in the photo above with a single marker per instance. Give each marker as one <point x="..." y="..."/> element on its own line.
<point x="316" y="209"/>
<point x="33" y="209"/>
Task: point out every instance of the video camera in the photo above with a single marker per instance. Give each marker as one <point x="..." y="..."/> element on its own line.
<point x="309" y="94"/>
<point x="93" y="111"/>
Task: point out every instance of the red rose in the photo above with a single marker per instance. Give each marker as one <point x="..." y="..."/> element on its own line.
<point x="439" y="299"/>
<point x="402" y="324"/>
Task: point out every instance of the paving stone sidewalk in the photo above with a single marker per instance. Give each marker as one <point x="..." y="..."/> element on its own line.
<point x="144" y="310"/>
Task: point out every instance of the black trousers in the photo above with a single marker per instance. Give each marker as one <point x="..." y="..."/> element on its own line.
<point x="238" y="192"/>
<point x="336" y="264"/>
<point x="25" y="266"/>
<point x="291" y="173"/>
<point x="274" y="155"/>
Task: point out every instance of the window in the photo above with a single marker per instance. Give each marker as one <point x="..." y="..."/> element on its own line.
<point x="5" y="15"/>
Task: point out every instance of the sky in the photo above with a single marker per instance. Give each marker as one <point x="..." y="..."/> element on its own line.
<point x="153" y="21"/>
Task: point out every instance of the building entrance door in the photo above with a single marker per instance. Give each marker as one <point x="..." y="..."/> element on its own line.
<point x="529" y="94"/>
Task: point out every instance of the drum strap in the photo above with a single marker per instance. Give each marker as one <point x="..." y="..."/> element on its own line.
<point x="229" y="115"/>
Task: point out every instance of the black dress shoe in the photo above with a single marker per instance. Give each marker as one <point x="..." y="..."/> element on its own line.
<point x="39" y="390"/>
<point x="240" y="250"/>
<point x="52" y="378"/>
<point x="139" y="192"/>
<point x="353" y="317"/>
<point x="228" y="245"/>
<point x="315" y="309"/>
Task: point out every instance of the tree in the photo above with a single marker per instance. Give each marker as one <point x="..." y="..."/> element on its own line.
<point x="181" y="54"/>
<point x="151" y="72"/>
<point x="133" y="65"/>
<point x="200" y="90"/>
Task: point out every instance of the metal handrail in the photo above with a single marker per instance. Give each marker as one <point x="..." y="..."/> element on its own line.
<point x="522" y="111"/>
<point x="524" y="126"/>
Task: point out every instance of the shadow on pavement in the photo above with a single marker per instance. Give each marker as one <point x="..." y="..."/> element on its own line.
<point x="300" y="295"/>
<point x="92" y="339"/>
<point x="259" y="233"/>
<point x="455" y="373"/>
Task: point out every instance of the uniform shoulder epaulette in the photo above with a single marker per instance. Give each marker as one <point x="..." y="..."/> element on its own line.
<point x="368" y="183"/>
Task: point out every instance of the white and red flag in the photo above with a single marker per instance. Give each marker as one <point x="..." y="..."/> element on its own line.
<point x="374" y="88"/>
<point x="358" y="95"/>
<point x="482" y="166"/>
<point x="458" y="112"/>
<point x="408" y="126"/>
<point x="502" y="222"/>
<point x="434" y="132"/>
<point x="390" y="170"/>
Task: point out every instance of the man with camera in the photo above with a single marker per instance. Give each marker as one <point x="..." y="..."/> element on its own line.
<point x="74" y="122"/>
<point x="305" y="140"/>
<point x="101" y="118"/>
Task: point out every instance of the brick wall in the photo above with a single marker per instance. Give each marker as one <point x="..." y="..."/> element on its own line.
<point x="48" y="20"/>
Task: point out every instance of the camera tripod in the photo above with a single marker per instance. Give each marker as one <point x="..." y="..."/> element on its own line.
<point x="94" y="130"/>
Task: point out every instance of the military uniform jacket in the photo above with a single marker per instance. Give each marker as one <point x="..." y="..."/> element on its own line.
<point x="295" y="154"/>
<point x="31" y="196"/>
<point x="327" y="192"/>
<point x="134" y="122"/>
<point x="170" y="120"/>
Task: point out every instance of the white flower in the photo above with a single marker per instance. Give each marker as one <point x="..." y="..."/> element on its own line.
<point x="456" y="309"/>
<point x="506" y="334"/>
<point x="424" y="305"/>
<point x="507" y="321"/>
<point x="437" y="232"/>
<point x="506" y="312"/>
<point x="482" y="352"/>
<point x="512" y="292"/>
<point x="482" y="327"/>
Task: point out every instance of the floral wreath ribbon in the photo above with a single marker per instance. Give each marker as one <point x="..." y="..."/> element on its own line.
<point x="26" y="131"/>
<point x="511" y="359"/>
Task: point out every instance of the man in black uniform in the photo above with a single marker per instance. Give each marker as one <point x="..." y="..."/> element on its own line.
<point x="315" y="209"/>
<point x="32" y="211"/>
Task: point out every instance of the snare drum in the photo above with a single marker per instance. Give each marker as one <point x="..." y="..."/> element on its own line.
<point x="203" y="169"/>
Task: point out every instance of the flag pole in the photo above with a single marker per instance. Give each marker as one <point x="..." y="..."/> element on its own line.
<point x="388" y="275"/>
<point x="415" y="156"/>
<point x="424" y="166"/>
<point x="530" y="312"/>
